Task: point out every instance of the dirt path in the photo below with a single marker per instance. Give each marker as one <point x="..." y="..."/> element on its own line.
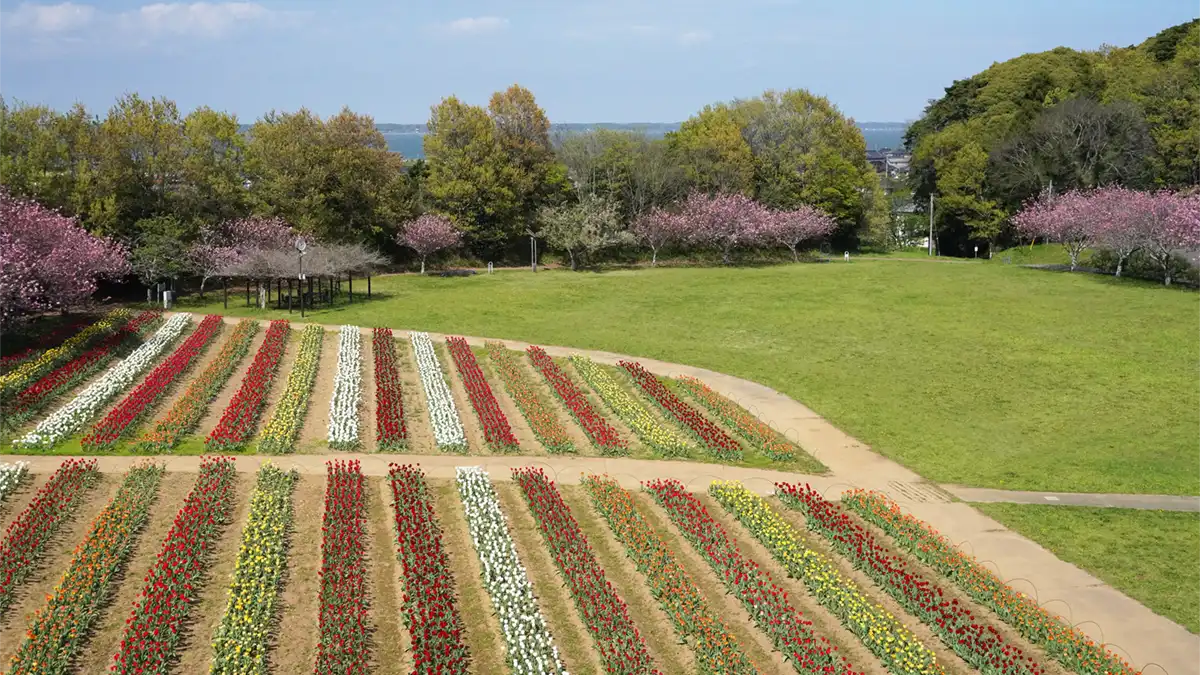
<point x="314" y="434"/>
<point x="392" y="644"/>
<point x="416" y="409"/>
<point x="218" y="405"/>
<point x="653" y="623"/>
<point x="529" y="444"/>
<point x="575" y="645"/>
<point x="482" y="629"/>
<point x="367" y="427"/>
<point x="97" y="654"/>
<point x="294" y="649"/>
<point x="824" y="624"/>
<point x="195" y="656"/>
<point x="466" y="412"/>
<point x="45" y="575"/>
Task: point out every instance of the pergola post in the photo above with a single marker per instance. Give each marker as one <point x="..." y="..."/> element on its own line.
<point x="247" y="291"/>
<point x="350" y="279"/>
<point x="225" y="290"/>
<point x="289" y="296"/>
<point x="368" y="285"/>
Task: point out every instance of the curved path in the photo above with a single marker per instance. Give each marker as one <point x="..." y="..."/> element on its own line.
<point x="1146" y="639"/>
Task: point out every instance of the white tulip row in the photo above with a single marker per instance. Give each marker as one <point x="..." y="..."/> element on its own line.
<point x="72" y="416"/>
<point x="448" y="431"/>
<point x="11" y="476"/>
<point x="347" y="390"/>
<point x="531" y="648"/>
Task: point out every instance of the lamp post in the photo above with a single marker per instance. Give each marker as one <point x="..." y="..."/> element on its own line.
<point x="301" y="247"/>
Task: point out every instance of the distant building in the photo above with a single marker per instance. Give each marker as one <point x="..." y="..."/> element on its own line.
<point x="892" y="163"/>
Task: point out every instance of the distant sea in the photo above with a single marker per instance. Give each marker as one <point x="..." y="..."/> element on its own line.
<point x="408" y="140"/>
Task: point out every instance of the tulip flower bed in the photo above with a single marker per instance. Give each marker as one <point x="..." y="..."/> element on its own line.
<point x="1075" y="650"/>
<point x="496" y="430"/>
<point x="12" y="476"/>
<point x="279" y="436"/>
<point x="58" y="631"/>
<point x="977" y="643"/>
<point x="129" y="412"/>
<point x="53" y="338"/>
<point x="717" y="651"/>
<point x="662" y="439"/>
<point x="347" y="391"/>
<point x="749" y="427"/>
<point x="172" y="586"/>
<point x="240" y="644"/>
<point x="448" y="432"/>
<point x="34" y="368"/>
<point x="598" y="430"/>
<point x="717" y="442"/>
<point x="537" y="411"/>
<point x="344" y="643"/>
<point x="69" y="418"/>
<point x="430" y="610"/>
<point x="621" y="647"/>
<point x="238" y="421"/>
<point x="787" y="628"/>
<point x="531" y="649"/>
<point x="26" y="538"/>
<point x="183" y="417"/>
<point x="391" y="432"/>
<point x="896" y="647"/>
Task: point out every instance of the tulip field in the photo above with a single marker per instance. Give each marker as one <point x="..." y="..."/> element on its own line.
<point x="359" y="562"/>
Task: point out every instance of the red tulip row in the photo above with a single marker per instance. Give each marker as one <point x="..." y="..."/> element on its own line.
<point x="172" y="586"/>
<point x="190" y="408"/>
<point x="754" y="430"/>
<point x="978" y="643"/>
<point x="598" y="430"/>
<point x="604" y="613"/>
<point x="717" y="442"/>
<point x="391" y="432"/>
<point x="538" y="412"/>
<point x="344" y="645"/>
<point x="41" y="393"/>
<point x="496" y="429"/>
<point x="51" y="339"/>
<point x="58" y="632"/>
<point x="430" y="610"/>
<point x="26" y="538"/>
<point x="126" y="415"/>
<point x="241" y="415"/>
<point x="791" y="633"/>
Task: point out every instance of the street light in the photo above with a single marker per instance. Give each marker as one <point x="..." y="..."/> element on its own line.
<point x="301" y="247"/>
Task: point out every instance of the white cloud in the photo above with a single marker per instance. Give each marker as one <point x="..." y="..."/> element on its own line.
<point x="694" y="37"/>
<point x="476" y="25"/>
<point x="199" y="18"/>
<point x="60" y="18"/>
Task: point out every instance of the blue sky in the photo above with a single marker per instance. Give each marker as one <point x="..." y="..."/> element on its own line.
<point x="585" y="60"/>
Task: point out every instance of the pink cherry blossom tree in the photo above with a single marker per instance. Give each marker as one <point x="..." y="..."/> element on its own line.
<point x="657" y="229"/>
<point x="1118" y="217"/>
<point x="1171" y="226"/>
<point x="724" y="221"/>
<point x="48" y="261"/>
<point x="1065" y="219"/>
<point x="429" y="234"/>
<point x="223" y="246"/>
<point x="801" y="224"/>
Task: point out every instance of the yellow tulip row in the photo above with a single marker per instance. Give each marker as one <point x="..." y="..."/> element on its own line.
<point x="897" y="648"/>
<point x="632" y="412"/>
<point x="280" y="433"/>
<point x="241" y="642"/>
<point x="31" y="369"/>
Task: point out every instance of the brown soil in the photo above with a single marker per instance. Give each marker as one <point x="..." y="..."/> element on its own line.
<point x="367" y="428"/>
<point x="724" y="605"/>
<point x="179" y="388"/>
<point x="653" y="623"/>
<point x="13" y="506"/>
<point x="696" y="452"/>
<point x="583" y="446"/>
<point x="295" y="647"/>
<point x="96" y="656"/>
<point x="481" y="627"/>
<point x="466" y="412"/>
<point x="279" y="385"/>
<point x="824" y="624"/>
<point x="416" y="410"/>
<point x="952" y="662"/>
<point x="575" y="645"/>
<point x="314" y="433"/>
<point x="529" y="444"/>
<point x="391" y="642"/>
<point x="196" y="651"/>
<point x="636" y="447"/>
<point x="221" y="402"/>
<point x="62" y="399"/>
<point x="32" y="592"/>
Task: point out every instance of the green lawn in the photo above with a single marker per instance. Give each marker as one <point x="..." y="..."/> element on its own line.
<point x="985" y="375"/>
<point x="1148" y="555"/>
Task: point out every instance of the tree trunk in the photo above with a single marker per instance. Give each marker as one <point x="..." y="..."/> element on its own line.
<point x="572" y="254"/>
<point x="202" y="281"/>
<point x="725" y="255"/>
<point x="1074" y="257"/>
<point x="1120" y="264"/>
<point x="422" y="264"/>
<point x="653" y="256"/>
<point x="795" y="256"/>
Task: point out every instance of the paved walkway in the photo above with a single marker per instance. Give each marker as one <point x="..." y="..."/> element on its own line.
<point x="1122" y="501"/>
<point x="1129" y="628"/>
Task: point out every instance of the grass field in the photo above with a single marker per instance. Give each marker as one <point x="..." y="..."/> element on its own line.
<point x="1150" y="555"/>
<point x="985" y="375"/>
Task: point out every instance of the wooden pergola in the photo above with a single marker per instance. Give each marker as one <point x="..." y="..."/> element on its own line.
<point x="321" y="268"/>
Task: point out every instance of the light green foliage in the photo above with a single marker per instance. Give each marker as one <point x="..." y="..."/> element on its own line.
<point x="714" y="155"/>
<point x="626" y="167"/>
<point x="582" y="229"/>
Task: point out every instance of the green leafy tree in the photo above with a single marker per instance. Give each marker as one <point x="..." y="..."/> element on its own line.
<point x="159" y="250"/>
<point x="583" y="229"/>
<point x="213" y="188"/>
<point x="714" y="156"/>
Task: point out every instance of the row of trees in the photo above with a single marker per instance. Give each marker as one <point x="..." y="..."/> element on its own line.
<point x="1161" y="224"/>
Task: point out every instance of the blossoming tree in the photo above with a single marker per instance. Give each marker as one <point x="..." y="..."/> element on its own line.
<point x="429" y="234"/>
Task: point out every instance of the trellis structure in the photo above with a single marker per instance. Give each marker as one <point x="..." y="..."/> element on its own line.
<point x="324" y="266"/>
